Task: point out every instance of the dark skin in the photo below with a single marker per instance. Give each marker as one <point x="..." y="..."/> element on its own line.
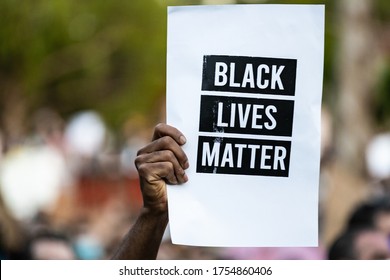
<point x="160" y="162"/>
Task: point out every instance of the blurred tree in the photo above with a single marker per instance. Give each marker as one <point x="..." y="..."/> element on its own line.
<point x="362" y="77"/>
<point x="72" y="55"/>
<point x="356" y="75"/>
<point x="382" y="101"/>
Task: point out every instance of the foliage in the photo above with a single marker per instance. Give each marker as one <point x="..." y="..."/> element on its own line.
<point x="72" y="55"/>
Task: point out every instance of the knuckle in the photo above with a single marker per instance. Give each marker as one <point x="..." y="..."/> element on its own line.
<point x="145" y="172"/>
<point x="140" y="152"/>
<point x="141" y="169"/>
<point x="159" y="127"/>
<point x="166" y="166"/>
<point x="138" y="161"/>
<point x="166" y="141"/>
<point x="168" y="155"/>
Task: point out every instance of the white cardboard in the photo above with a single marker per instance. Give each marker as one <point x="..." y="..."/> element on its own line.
<point x="246" y="210"/>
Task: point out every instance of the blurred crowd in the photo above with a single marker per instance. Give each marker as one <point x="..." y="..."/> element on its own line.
<point x="70" y="191"/>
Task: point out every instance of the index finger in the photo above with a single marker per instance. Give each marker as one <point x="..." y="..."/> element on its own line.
<point x="162" y="130"/>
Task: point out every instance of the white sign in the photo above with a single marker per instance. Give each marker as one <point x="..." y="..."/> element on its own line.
<point x="244" y="85"/>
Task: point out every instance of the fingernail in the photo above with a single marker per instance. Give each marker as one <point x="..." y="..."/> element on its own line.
<point x="182" y="140"/>
<point x="186" y="165"/>
<point x="185" y="177"/>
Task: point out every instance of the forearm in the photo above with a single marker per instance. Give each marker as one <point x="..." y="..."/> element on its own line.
<point x="143" y="239"/>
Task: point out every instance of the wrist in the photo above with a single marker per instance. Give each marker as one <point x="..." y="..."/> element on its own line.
<point x="155" y="212"/>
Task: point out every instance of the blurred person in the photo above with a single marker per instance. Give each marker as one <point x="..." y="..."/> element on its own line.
<point x="360" y="244"/>
<point x="88" y="247"/>
<point x="105" y="228"/>
<point x="47" y="244"/>
<point x="367" y="233"/>
<point x="373" y="213"/>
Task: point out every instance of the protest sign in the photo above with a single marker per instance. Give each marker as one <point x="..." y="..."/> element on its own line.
<point x="244" y="85"/>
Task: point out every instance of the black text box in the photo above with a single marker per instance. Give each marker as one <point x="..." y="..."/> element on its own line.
<point x="249" y="74"/>
<point x="246" y="115"/>
<point x="223" y="155"/>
